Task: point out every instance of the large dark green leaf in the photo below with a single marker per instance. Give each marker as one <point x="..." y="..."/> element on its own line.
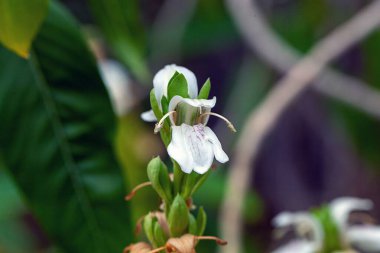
<point x="19" y="23"/>
<point x="120" y="22"/>
<point x="55" y="136"/>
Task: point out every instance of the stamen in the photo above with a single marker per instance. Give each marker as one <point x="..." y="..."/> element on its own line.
<point x="229" y="124"/>
<point x="158" y="249"/>
<point x="213" y="238"/>
<point x="160" y="124"/>
<point x="134" y="190"/>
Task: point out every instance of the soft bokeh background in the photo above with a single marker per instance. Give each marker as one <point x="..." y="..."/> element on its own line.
<point x="320" y="149"/>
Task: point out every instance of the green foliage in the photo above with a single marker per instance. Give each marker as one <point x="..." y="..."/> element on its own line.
<point x="178" y="86"/>
<point x="192" y="225"/>
<point x="205" y="90"/>
<point x="55" y="137"/>
<point x="159" y="177"/>
<point x="121" y="24"/>
<point x="19" y="23"/>
<point x="178" y="217"/>
<point x="192" y="182"/>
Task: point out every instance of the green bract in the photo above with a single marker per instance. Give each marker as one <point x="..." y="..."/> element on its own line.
<point x="178" y="217"/>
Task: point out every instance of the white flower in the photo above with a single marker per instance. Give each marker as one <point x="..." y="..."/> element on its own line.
<point x="193" y="144"/>
<point x="160" y="84"/>
<point x="308" y="229"/>
<point x="194" y="148"/>
<point x="367" y="236"/>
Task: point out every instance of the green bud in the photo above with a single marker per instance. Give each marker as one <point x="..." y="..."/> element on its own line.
<point x="205" y="90"/>
<point x="193" y="228"/>
<point x="201" y="221"/>
<point x="159" y="176"/>
<point x="178" y="217"/>
<point x="149" y="228"/>
<point x="159" y="235"/>
<point x="178" y="86"/>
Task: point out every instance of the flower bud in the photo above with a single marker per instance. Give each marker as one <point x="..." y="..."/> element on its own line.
<point x="159" y="176"/>
<point x="178" y="217"/>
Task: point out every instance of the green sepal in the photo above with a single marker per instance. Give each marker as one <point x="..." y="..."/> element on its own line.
<point x="159" y="235"/>
<point x="165" y="105"/>
<point x="201" y="221"/>
<point x="178" y="86"/>
<point x="154" y="104"/>
<point x="178" y="217"/>
<point x="159" y="177"/>
<point x="149" y="228"/>
<point x="205" y="90"/>
<point x="193" y="226"/>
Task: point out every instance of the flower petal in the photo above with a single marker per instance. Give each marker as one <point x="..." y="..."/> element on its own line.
<point x="366" y="238"/>
<point x="163" y="76"/>
<point x="219" y="153"/>
<point x="177" y="150"/>
<point x="297" y="246"/>
<point x="148" y="116"/>
<point x="341" y="208"/>
<point x="190" y="148"/>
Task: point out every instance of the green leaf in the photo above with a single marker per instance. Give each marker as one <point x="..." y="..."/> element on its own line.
<point x="19" y="23"/>
<point x="121" y="25"/>
<point x="56" y="139"/>
<point x="178" y="86"/>
<point x="205" y="90"/>
<point x="201" y="221"/>
<point x="159" y="177"/>
<point x="178" y="217"/>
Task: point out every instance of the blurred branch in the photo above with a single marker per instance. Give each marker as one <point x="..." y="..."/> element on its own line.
<point x="271" y="48"/>
<point x="262" y="120"/>
<point x="169" y="28"/>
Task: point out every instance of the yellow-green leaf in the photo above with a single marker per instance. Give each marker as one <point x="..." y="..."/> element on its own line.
<point x="19" y="23"/>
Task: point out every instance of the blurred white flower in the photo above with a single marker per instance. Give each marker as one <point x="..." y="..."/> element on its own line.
<point x="160" y="84"/>
<point x="365" y="237"/>
<point x="118" y="85"/>
<point x="308" y="229"/>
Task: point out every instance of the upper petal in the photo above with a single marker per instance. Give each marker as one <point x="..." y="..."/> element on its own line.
<point x="148" y="116"/>
<point x="193" y="105"/>
<point x="365" y="237"/>
<point x="341" y="208"/>
<point x="163" y="76"/>
<point x="219" y="153"/>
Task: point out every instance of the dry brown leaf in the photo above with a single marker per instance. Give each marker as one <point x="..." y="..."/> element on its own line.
<point x="140" y="247"/>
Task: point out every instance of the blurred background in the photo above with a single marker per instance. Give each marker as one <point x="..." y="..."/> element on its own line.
<point x="320" y="149"/>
